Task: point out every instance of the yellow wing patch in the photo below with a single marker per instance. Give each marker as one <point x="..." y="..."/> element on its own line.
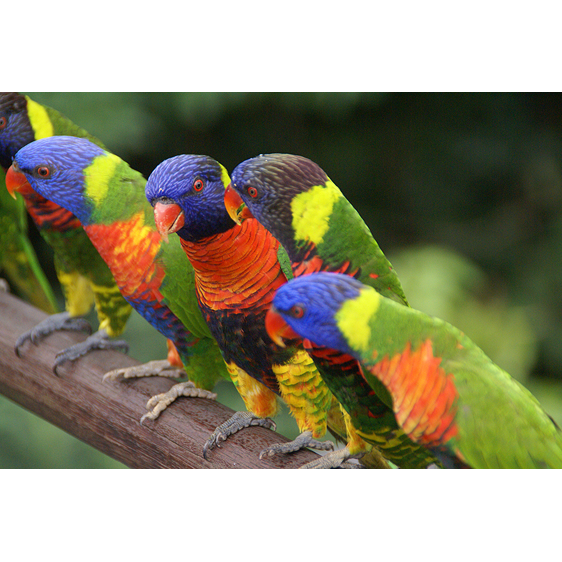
<point x="98" y="175"/>
<point x="353" y="318"/>
<point x="39" y="119"/>
<point x="312" y="210"/>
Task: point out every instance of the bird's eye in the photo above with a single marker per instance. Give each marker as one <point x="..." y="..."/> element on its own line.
<point x="43" y="171"/>
<point x="3" y="122"/>
<point x="252" y="192"/>
<point x="297" y="311"/>
<point x="198" y="184"/>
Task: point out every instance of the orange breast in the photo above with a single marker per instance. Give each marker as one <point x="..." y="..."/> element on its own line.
<point x="130" y="249"/>
<point x="236" y="269"/>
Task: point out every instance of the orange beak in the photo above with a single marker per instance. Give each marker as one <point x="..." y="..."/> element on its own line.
<point x="278" y="329"/>
<point x="169" y="218"/>
<point x="16" y="181"/>
<point x="235" y="206"/>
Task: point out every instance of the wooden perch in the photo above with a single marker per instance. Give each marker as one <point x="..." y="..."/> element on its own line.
<point x="106" y="414"/>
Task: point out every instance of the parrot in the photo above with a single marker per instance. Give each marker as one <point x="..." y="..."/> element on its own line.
<point x="154" y="277"/>
<point x="237" y="270"/>
<point x="447" y="394"/>
<point x="84" y="276"/>
<point x="321" y="231"/>
<point x="18" y="259"/>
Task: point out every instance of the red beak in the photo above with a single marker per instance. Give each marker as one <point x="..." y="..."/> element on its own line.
<point x="277" y="328"/>
<point x="235" y="206"/>
<point x="16" y="181"/>
<point x="169" y="218"/>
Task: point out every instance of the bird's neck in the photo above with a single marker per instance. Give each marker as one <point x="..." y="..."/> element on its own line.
<point x="48" y="215"/>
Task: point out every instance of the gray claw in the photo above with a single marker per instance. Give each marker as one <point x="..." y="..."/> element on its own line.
<point x="302" y="441"/>
<point x="335" y="459"/>
<point x="54" y="323"/>
<point x="99" y="340"/>
<point x="238" y="421"/>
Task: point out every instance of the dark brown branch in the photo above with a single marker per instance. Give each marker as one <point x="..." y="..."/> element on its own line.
<point x="106" y="414"/>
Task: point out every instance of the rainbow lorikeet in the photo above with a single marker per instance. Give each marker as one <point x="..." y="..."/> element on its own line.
<point x="85" y="278"/>
<point x="237" y="270"/>
<point x="155" y="277"/>
<point x="321" y="231"/>
<point x="447" y="395"/>
<point x="18" y="260"/>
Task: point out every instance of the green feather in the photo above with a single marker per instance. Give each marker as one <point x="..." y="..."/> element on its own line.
<point x="500" y="423"/>
<point x="284" y="262"/>
<point x="321" y="230"/>
<point x="18" y="259"/>
<point x="346" y="237"/>
<point x="115" y="194"/>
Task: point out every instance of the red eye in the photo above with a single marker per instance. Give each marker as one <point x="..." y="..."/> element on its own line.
<point x="43" y="171"/>
<point x="198" y="184"/>
<point x="252" y="192"/>
<point x="297" y="311"/>
<point x="3" y="122"/>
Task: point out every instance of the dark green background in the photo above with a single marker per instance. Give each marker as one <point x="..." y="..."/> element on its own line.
<point x="462" y="191"/>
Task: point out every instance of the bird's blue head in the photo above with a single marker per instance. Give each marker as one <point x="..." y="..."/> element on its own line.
<point x="57" y="168"/>
<point x="307" y="307"/>
<point x="268" y="185"/>
<point x="15" y="128"/>
<point x="187" y="193"/>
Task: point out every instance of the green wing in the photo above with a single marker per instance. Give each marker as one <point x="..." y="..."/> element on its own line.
<point x="119" y="210"/>
<point x="18" y="259"/>
<point x="64" y="126"/>
<point x="434" y="372"/>
<point x="348" y="238"/>
<point x="204" y="361"/>
<point x="501" y="424"/>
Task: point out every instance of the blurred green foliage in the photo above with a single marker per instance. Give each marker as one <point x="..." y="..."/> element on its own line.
<point x="462" y="191"/>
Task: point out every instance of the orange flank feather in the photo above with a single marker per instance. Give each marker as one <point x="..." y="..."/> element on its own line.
<point x="335" y="357"/>
<point x="132" y="247"/>
<point x="173" y="355"/>
<point x="316" y="263"/>
<point x="224" y="281"/>
<point x="424" y="396"/>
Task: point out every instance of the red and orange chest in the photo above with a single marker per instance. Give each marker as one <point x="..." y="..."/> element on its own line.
<point x="237" y="269"/>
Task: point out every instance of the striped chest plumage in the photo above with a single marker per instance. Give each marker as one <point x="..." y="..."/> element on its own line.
<point x="236" y="275"/>
<point x="48" y="215"/>
<point x="236" y="270"/>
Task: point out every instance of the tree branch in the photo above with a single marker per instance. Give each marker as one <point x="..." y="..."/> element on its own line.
<point x="106" y="414"/>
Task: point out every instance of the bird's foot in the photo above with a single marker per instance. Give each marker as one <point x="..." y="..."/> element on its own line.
<point x="302" y="441"/>
<point x="54" y="323"/>
<point x="4" y="287"/>
<point x="158" y="403"/>
<point x="238" y="421"/>
<point x="334" y="459"/>
<point x="160" y="368"/>
<point x="98" y="340"/>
